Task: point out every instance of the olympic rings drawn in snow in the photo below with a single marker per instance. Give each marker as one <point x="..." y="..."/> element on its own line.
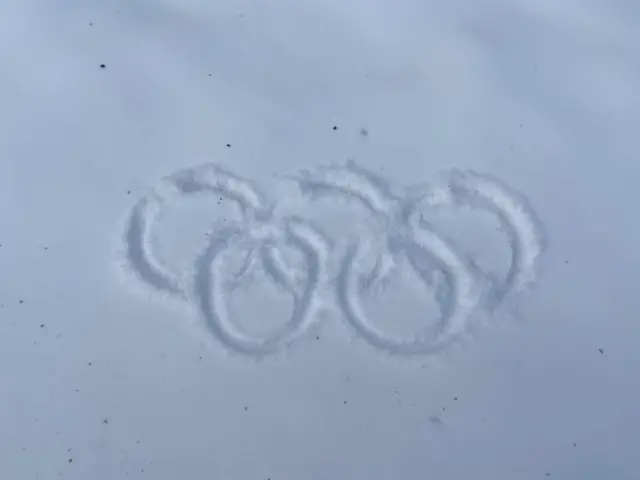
<point x="262" y="231"/>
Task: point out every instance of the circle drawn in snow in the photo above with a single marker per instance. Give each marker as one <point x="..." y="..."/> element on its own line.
<point x="213" y="288"/>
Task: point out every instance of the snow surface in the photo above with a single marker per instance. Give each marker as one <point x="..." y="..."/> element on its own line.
<point x="309" y="240"/>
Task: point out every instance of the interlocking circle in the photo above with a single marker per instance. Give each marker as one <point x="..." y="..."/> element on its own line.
<point x="396" y="223"/>
<point x="213" y="287"/>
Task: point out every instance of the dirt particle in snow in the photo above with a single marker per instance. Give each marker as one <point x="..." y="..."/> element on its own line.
<point x="105" y="421"/>
<point x="89" y="363"/>
<point x="42" y="325"/>
<point x="103" y="65"/>
<point x="21" y="302"/>
<point x="364" y="132"/>
<point x="436" y="420"/>
<point x="228" y="145"/>
<point x="246" y="408"/>
<point x="335" y="127"/>
<point x="601" y="350"/>
<point x="455" y="399"/>
<point x="318" y="337"/>
<point x="70" y="460"/>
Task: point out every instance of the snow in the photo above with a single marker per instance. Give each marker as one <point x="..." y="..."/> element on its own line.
<point x="308" y="240"/>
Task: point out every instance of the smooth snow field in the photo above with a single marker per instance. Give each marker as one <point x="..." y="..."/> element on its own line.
<point x="311" y="240"/>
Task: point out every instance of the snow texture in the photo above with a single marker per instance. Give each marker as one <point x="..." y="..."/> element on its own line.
<point x="306" y="240"/>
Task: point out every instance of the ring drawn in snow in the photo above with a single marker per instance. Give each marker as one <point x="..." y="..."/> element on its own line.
<point x="213" y="289"/>
<point x="148" y="212"/>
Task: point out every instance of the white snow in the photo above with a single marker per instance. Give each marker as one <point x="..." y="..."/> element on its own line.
<point x="308" y="240"/>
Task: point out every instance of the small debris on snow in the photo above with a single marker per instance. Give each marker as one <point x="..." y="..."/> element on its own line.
<point x="436" y="420"/>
